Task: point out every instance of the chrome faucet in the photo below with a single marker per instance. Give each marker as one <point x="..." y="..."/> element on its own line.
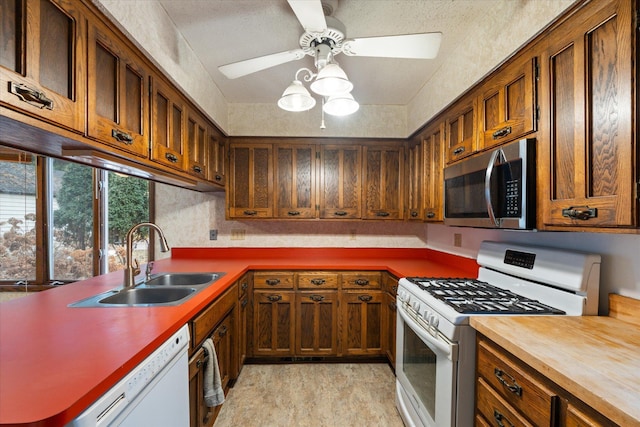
<point x="130" y="271"/>
<point x="147" y="271"/>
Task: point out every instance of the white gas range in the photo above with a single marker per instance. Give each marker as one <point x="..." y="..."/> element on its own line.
<point x="435" y="344"/>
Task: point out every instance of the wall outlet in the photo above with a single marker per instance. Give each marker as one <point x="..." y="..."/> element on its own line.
<point x="237" y="234"/>
<point x="213" y="234"/>
<point x="457" y="240"/>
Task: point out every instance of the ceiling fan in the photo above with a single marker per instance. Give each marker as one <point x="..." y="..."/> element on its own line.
<point x="325" y="37"/>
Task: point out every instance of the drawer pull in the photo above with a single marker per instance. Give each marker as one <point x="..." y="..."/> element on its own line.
<point x="293" y="213"/>
<point x="361" y="282"/>
<point x="171" y="157"/>
<point x="272" y="282"/>
<point x="316" y="298"/>
<point x="244" y="286"/>
<point x="223" y="331"/>
<point x="274" y="298"/>
<point x="431" y="215"/>
<point x="414" y="214"/>
<point x="197" y="169"/>
<point x="514" y="387"/>
<point x="318" y="282"/>
<point x="31" y="96"/>
<point x="458" y="151"/>
<point x="365" y="298"/>
<point x="340" y="213"/>
<point x="501" y="419"/>
<point x="121" y="136"/>
<point x="244" y="303"/>
<point x="583" y="213"/>
<point x="250" y="213"/>
<point x="217" y="178"/>
<point x="501" y="133"/>
<point x="382" y="213"/>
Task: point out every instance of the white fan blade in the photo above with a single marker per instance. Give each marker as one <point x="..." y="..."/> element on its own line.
<point x="310" y="15"/>
<point x="414" y="46"/>
<point x="242" y="68"/>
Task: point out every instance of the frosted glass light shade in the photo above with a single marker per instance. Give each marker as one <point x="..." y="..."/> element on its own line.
<point x="296" y="98"/>
<point x="331" y="80"/>
<point x="341" y="105"/>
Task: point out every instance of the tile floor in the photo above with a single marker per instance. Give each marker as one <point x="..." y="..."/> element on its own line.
<point x="312" y="395"/>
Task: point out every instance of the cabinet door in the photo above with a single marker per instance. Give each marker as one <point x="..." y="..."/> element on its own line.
<point x="273" y="323"/>
<point x="196" y="144"/>
<point x="508" y="104"/>
<point x="118" y="93"/>
<point x="383" y="182"/>
<point x="461" y="130"/>
<point x="216" y="156"/>
<point x="416" y="181"/>
<point x="242" y="331"/>
<point x="433" y="155"/>
<point x="295" y="181"/>
<point x="168" y="112"/>
<point x="586" y="150"/>
<point x="43" y="60"/>
<point x="250" y="193"/>
<point x="317" y="323"/>
<point x="200" y="415"/>
<point x="340" y="182"/>
<point x="391" y="329"/>
<point x="362" y="317"/>
<point x="222" y="338"/>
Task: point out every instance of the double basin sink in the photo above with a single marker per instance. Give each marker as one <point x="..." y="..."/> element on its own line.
<point x="164" y="289"/>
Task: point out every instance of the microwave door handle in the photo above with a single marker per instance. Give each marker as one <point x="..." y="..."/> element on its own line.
<point x="487" y="184"/>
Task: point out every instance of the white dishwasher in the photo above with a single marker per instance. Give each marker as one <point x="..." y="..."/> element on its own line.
<point x="155" y="393"/>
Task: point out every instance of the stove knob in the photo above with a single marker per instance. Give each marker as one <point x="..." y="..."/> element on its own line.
<point x="416" y="305"/>
<point x="434" y="321"/>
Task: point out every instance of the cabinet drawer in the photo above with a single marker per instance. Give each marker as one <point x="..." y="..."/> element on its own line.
<point x="496" y="411"/>
<point x="510" y="379"/>
<point x="204" y="323"/>
<point x="364" y="280"/>
<point x="273" y="280"/>
<point x="318" y="280"/>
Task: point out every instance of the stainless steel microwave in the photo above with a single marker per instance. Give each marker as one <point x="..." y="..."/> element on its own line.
<point x="495" y="189"/>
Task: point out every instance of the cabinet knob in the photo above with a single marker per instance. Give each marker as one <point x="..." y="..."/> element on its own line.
<point x="431" y="215"/>
<point x="197" y="169"/>
<point x="250" y="213"/>
<point x="272" y="282"/>
<point x="316" y="298"/>
<point x="458" y="151"/>
<point x="274" y="298"/>
<point x="171" y="157"/>
<point x="361" y="282"/>
<point x="218" y="178"/>
<point x="414" y="214"/>
<point x="244" y="303"/>
<point x="121" y="136"/>
<point x="583" y="212"/>
<point x="31" y="96"/>
<point x="223" y="330"/>
<point x="244" y="286"/>
<point x="365" y="298"/>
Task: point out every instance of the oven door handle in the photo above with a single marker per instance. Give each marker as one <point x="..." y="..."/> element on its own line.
<point x="446" y="348"/>
<point x="487" y="183"/>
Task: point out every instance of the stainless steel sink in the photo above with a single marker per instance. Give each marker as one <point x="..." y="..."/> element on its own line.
<point x="164" y="289"/>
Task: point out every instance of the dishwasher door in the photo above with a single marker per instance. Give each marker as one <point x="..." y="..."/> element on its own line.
<point x="155" y="393"/>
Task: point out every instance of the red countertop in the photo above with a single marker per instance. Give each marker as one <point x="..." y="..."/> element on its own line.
<point x="57" y="360"/>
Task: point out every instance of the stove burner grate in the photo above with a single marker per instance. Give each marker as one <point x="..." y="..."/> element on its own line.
<point x="471" y="296"/>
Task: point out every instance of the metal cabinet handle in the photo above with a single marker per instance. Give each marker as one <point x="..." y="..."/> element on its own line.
<point x="340" y="213"/>
<point x="365" y="298"/>
<point x="361" y="282"/>
<point x="272" y="282"/>
<point x="197" y="169"/>
<point x="316" y="298"/>
<point x="171" y="157"/>
<point x="217" y="177"/>
<point x="244" y="286"/>
<point x="382" y="213"/>
<point x="223" y="331"/>
<point x="431" y="215"/>
<point x="274" y="298"/>
<point x="458" y="151"/>
<point x="414" y="214"/>
<point x="244" y="303"/>
<point x="583" y="213"/>
<point x="31" y="96"/>
<point x="392" y="306"/>
<point x="293" y="213"/>
<point x="501" y="133"/>
<point x="250" y="213"/>
<point x="513" y="387"/>
<point x="318" y="282"/>
<point x="121" y="136"/>
<point x="500" y="419"/>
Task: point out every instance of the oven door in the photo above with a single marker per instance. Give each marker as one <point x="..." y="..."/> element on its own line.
<point x="426" y="370"/>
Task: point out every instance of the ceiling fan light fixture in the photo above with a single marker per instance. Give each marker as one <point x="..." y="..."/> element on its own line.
<point x="296" y="98"/>
<point x="341" y="105"/>
<point x="331" y="80"/>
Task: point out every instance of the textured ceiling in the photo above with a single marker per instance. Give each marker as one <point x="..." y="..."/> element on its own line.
<point x="224" y="31"/>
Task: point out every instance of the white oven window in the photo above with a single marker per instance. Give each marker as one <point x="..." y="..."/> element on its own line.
<point x="419" y="365"/>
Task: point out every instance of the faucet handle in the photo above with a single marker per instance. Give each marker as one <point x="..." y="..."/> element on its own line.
<point x="147" y="271"/>
<point x="136" y="267"/>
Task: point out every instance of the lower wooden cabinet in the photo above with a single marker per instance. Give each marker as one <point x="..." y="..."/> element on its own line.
<point x="317" y="323"/>
<point x="362" y="323"/>
<point x="273" y="323"/>
<point x="510" y="393"/>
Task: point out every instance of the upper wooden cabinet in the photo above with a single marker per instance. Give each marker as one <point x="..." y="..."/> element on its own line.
<point x="461" y="128"/>
<point x="250" y="193"/>
<point x="383" y="180"/>
<point x="217" y="150"/>
<point x="118" y="93"/>
<point x="168" y="114"/>
<point x="196" y="163"/>
<point x="433" y="165"/>
<point x="43" y="60"/>
<point x="415" y="180"/>
<point x="340" y="181"/>
<point x="295" y="177"/>
<point x="507" y="104"/>
<point x="586" y="145"/>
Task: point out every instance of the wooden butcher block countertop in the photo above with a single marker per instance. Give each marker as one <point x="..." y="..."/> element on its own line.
<point x="595" y="358"/>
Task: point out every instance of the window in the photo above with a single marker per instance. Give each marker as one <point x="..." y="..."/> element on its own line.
<point x="77" y="214"/>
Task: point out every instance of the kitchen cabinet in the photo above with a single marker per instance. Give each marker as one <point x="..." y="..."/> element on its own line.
<point x="118" y="92"/>
<point x="168" y="114"/>
<point x="250" y="193"/>
<point x="433" y="166"/>
<point x="317" y="323"/>
<point x="461" y="128"/>
<point x="196" y="144"/>
<point x="586" y="150"/>
<point x="340" y="181"/>
<point x="363" y="331"/>
<point x="383" y="180"/>
<point x="295" y="180"/>
<point x="509" y="392"/>
<point x="415" y="180"/>
<point x="390" y="285"/>
<point x="216" y="321"/>
<point x="217" y="150"/>
<point x="507" y="103"/>
<point x="43" y="60"/>
<point x="242" y="318"/>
